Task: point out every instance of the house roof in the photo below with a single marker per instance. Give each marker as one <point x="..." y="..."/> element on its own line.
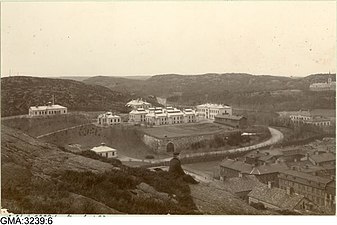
<point x="47" y="107"/>
<point x="103" y="148"/>
<point x="276" y="196"/>
<point x="241" y="184"/>
<point x="324" y="157"/>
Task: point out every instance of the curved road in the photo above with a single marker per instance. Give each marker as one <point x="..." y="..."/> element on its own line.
<point x="276" y="136"/>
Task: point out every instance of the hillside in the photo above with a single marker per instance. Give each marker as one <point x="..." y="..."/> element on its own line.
<point x="19" y="93"/>
<point x="37" y="177"/>
<point x="240" y="90"/>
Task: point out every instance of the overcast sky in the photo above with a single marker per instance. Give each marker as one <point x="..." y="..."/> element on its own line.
<point x="149" y="38"/>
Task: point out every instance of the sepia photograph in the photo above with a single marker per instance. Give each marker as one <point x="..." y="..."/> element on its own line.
<point x="167" y="108"/>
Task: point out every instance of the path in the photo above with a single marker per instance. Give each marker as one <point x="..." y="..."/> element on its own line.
<point x="65" y="129"/>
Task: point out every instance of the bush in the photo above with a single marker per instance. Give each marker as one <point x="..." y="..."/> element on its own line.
<point x="149" y="157"/>
<point x="93" y="155"/>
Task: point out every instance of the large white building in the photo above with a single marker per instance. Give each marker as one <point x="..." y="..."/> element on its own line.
<point x="162" y="116"/>
<point x="327" y="86"/>
<point x="49" y="109"/>
<point x="138" y="103"/>
<point x="209" y="111"/>
<point x="108" y="119"/>
<point x="137" y="116"/>
<point x="301" y="117"/>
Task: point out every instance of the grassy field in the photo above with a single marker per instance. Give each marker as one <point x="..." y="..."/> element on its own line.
<point x="126" y="139"/>
<point x="36" y="126"/>
<point x="186" y="130"/>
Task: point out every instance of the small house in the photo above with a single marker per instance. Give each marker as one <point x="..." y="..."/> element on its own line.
<point x="105" y="151"/>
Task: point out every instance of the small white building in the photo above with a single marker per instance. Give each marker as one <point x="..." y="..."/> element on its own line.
<point x="49" y="109"/>
<point x="108" y="119"/>
<point x="105" y="151"/>
<point x="138" y="116"/>
<point x="138" y="103"/>
<point x="209" y="111"/>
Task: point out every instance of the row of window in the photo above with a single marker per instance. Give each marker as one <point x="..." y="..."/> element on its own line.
<point x="48" y="112"/>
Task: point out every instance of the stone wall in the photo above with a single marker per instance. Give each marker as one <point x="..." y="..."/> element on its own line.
<point x="180" y="143"/>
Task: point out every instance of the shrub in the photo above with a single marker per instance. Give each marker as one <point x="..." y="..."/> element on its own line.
<point x="149" y="157"/>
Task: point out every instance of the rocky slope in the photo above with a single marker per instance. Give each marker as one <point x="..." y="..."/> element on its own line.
<point x="38" y="177"/>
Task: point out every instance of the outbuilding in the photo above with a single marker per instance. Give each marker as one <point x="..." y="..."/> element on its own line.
<point x="105" y="151"/>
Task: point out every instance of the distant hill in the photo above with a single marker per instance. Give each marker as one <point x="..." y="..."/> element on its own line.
<point x="19" y="93"/>
<point x="263" y="91"/>
<point x="121" y="84"/>
<point x="81" y="78"/>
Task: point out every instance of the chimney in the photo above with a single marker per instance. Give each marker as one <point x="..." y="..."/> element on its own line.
<point x="316" y="152"/>
<point x="240" y="175"/>
<point x="270" y="184"/>
<point x="290" y="191"/>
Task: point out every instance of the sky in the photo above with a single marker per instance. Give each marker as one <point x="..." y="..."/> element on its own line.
<point x="149" y="38"/>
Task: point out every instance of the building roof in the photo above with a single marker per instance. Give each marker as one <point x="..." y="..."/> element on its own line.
<point x="236" y="165"/>
<point x="251" y="169"/>
<point x="217" y="106"/>
<point x="303" y="177"/>
<point x="47" y="107"/>
<point x="241" y="184"/>
<point x="323" y="157"/>
<point x="108" y="115"/>
<point x="276" y="197"/>
<point x="268" y="168"/>
<point x="230" y="117"/>
<point x="103" y="148"/>
<point x="138" y="112"/>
